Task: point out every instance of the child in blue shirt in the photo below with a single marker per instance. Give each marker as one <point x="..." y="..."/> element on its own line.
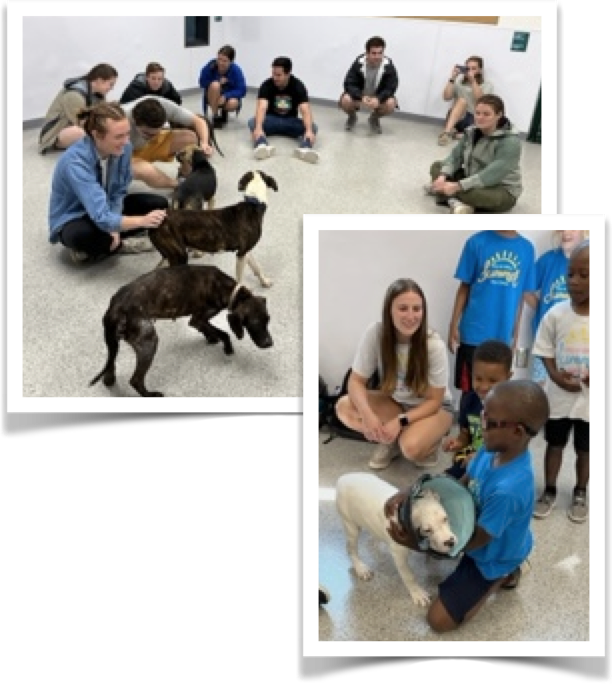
<point x="551" y="285"/>
<point x="501" y="480"/>
<point x="492" y="365"/>
<point x="496" y="269"/>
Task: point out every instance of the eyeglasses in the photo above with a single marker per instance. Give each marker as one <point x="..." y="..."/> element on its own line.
<point x="488" y="424"/>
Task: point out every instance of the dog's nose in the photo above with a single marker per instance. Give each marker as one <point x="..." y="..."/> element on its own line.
<point x="450" y="543"/>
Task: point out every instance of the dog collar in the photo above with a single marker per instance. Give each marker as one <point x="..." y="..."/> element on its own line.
<point x="253" y="200"/>
<point x="233" y="295"/>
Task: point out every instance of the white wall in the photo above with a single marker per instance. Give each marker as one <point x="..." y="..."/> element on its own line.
<point x="357" y="266"/>
<point x="322" y="49"/>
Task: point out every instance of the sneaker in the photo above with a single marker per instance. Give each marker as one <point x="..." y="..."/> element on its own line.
<point x="544" y="505"/>
<point x="306" y="154"/>
<point x="444" y="138"/>
<point x="263" y="151"/>
<point x="458" y="207"/>
<point x="384" y="454"/>
<point x="578" y="511"/>
<point x="135" y="245"/>
<point x="374" y="122"/>
<point x="324" y="596"/>
<point x="432" y="458"/>
<point x="77" y="256"/>
<point x="218" y="122"/>
<point x="351" y="121"/>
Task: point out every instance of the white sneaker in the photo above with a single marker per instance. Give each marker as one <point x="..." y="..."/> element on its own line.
<point x="307" y="154"/>
<point x="263" y="151"/>
<point x="384" y="454"/>
<point x="458" y="207"/>
<point x="135" y="245"/>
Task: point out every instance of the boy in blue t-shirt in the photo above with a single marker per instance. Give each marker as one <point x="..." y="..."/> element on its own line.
<point x="551" y="286"/>
<point x="492" y="365"/>
<point x="496" y="269"/>
<point x="501" y="480"/>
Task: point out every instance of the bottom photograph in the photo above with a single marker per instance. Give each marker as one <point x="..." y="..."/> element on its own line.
<point x="453" y="475"/>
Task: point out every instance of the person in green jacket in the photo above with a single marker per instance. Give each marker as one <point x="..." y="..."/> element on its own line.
<point x="483" y="171"/>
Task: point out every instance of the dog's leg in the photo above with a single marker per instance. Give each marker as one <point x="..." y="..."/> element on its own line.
<point x="240" y="268"/>
<point x="254" y="266"/>
<point x="352" y="536"/>
<point x="143" y="339"/>
<point x="212" y="333"/>
<point x="112" y="342"/>
<point x="211" y="203"/>
<point x="400" y="557"/>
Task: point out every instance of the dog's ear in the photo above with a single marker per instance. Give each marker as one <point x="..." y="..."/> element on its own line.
<point x="245" y="180"/>
<point x="198" y="157"/>
<point x="235" y="323"/>
<point x="268" y="180"/>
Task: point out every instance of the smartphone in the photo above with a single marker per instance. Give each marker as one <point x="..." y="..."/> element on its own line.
<point x="462" y="69"/>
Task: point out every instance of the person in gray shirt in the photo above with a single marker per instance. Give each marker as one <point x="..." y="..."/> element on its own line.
<point x="371" y="81"/>
<point x="152" y="141"/>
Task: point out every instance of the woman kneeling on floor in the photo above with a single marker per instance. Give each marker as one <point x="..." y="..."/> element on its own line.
<point x="89" y="212"/>
<point x="483" y="170"/>
<point x="411" y="412"/>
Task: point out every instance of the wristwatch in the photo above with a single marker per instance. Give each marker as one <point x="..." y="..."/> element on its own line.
<point x="403" y="420"/>
<point x="451" y="80"/>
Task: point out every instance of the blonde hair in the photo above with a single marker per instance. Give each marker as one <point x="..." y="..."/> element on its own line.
<point x="94" y="118"/>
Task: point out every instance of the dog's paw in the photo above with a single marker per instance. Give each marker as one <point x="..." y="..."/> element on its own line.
<point x="228" y="351"/>
<point x="363" y="572"/>
<point x="266" y="282"/>
<point x="109" y="380"/>
<point x="420" y="596"/>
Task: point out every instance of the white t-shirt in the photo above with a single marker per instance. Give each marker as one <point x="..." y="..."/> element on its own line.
<point x="368" y="359"/>
<point x="563" y="335"/>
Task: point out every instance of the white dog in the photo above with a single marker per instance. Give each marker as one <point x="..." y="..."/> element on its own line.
<point x="360" y="499"/>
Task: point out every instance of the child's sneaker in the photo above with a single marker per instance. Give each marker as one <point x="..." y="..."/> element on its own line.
<point x="578" y="511"/>
<point x="544" y="505"/>
<point x="384" y="454"/>
<point x="458" y="207"/>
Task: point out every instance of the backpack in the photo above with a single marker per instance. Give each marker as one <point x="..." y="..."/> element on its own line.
<point x="327" y="408"/>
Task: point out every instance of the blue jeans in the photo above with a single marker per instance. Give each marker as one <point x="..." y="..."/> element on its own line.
<point x="291" y="127"/>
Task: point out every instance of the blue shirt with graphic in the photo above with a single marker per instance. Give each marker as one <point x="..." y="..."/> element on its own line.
<point x="551" y="281"/>
<point x="499" y="270"/>
<point x="505" y="499"/>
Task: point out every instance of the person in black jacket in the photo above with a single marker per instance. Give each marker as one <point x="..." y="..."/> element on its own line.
<point x="152" y="82"/>
<point x="371" y="81"/>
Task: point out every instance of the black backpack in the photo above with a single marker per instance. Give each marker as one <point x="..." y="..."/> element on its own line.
<point x="327" y="408"/>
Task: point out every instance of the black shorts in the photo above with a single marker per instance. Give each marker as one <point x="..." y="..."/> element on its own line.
<point x="463" y="367"/>
<point x="463" y="589"/>
<point x="557" y="430"/>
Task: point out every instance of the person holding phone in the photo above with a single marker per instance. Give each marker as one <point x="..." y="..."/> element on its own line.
<point x="465" y="87"/>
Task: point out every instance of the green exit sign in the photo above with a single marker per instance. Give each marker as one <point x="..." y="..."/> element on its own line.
<point x="519" y="41"/>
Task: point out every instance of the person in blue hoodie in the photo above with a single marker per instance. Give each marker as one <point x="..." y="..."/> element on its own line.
<point x="60" y="128"/>
<point x="223" y="86"/>
<point x="89" y="212"/>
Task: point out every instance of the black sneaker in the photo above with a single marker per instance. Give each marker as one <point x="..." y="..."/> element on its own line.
<point x="218" y="122"/>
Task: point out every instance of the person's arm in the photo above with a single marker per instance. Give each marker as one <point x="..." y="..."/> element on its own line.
<point x="172" y="94"/>
<point x="71" y="103"/>
<point x="463" y="292"/>
<point x="237" y="89"/>
<point x="352" y="81"/>
<point x="306" y="113"/>
<point x="566" y="381"/>
<point x="517" y="323"/>
<point x="507" y="159"/>
<point x="201" y="128"/>
<point x="389" y="83"/>
<point x="457" y="443"/>
<point x="260" y="115"/>
<point x="479" y="539"/>
<point x="132" y="92"/>
<point x="532" y="299"/>
<point x="206" y="76"/>
<point x="373" y="428"/>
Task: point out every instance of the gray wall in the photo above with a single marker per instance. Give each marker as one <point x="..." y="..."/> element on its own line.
<point x="356" y="267"/>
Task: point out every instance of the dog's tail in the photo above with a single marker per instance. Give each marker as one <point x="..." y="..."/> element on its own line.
<point x="211" y="134"/>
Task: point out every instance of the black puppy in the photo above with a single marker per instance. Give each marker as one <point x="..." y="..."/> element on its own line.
<point x="197" y="291"/>
<point x="198" y="189"/>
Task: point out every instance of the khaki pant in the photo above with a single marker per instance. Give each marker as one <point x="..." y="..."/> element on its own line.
<point x="495" y="199"/>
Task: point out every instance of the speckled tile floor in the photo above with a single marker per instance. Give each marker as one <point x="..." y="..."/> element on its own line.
<point x="551" y="603"/>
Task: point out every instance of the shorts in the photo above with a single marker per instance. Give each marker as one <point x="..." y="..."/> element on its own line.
<point x="463" y="367"/>
<point x="463" y="589"/>
<point x="156" y="149"/>
<point x="556" y="433"/>
<point x="468" y="120"/>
